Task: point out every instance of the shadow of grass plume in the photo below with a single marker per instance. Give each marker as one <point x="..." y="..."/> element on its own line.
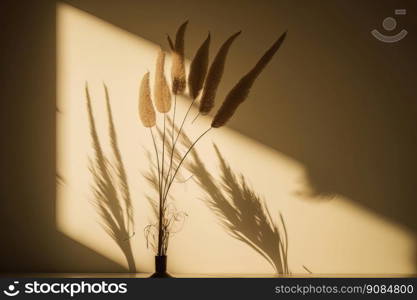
<point x="240" y="210"/>
<point x="111" y="191"/>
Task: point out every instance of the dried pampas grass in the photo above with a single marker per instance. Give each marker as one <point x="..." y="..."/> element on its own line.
<point x="177" y="74"/>
<point x="178" y="66"/>
<point x="241" y="90"/>
<point x="146" y="110"/>
<point x="162" y="93"/>
<point x="214" y="76"/>
<point x="198" y="69"/>
<point x="201" y="80"/>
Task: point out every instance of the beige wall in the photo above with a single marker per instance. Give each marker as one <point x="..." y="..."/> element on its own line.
<point x="324" y="137"/>
<point x="342" y="119"/>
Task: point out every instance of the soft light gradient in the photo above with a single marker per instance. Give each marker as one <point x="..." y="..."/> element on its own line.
<point x="331" y="236"/>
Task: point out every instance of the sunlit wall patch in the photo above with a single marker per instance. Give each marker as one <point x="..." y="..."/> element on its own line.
<point x="330" y="237"/>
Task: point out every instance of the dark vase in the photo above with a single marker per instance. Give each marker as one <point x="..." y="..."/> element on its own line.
<point x="161" y="267"/>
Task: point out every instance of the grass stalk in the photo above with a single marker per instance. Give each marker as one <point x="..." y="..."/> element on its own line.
<point x="176" y="139"/>
<point x="183" y="158"/>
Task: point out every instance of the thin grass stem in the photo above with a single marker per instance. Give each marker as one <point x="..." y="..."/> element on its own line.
<point x="195" y="118"/>
<point x="163" y="157"/>
<point x="176" y="139"/>
<point x="157" y="159"/>
<point x="182" y="160"/>
<point x="161" y="199"/>
<point x="172" y="139"/>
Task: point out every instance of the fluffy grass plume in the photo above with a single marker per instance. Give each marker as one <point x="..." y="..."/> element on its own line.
<point x="214" y="76"/>
<point x="240" y="91"/>
<point x="161" y="89"/>
<point x="146" y="110"/>
<point x="198" y="68"/>
<point x="178" y="66"/>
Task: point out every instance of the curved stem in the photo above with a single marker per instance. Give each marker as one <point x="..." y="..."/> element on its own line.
<point x="163" y="158"/>
<point x="172" y="139"/>
<point x="176" y="139"/>
<point x="161" y="198"/>
<point x="157" y="158"/>
<point x="182" y="160"/>
<point x="173" y="121"/>
<point x="160" y="194"/>
<point x="183" y="121"/>
<point x="195" y="118"/>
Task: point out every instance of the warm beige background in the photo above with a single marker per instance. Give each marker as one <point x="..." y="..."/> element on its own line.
<point x="328" y="231"/>
<point x="342" y="117"/>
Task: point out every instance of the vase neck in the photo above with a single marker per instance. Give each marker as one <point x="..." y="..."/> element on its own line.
<point x="161" y="264"/>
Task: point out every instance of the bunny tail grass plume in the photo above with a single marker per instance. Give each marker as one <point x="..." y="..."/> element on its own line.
<point x="146" y="110"/>
<point x="178" y="66"/>
<point x="161" y="88"/>
<point x="198" y="69"/>
<point x="179" y="38"/>
<point x="240" y="91"/>
<point x="214" y="76"/>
